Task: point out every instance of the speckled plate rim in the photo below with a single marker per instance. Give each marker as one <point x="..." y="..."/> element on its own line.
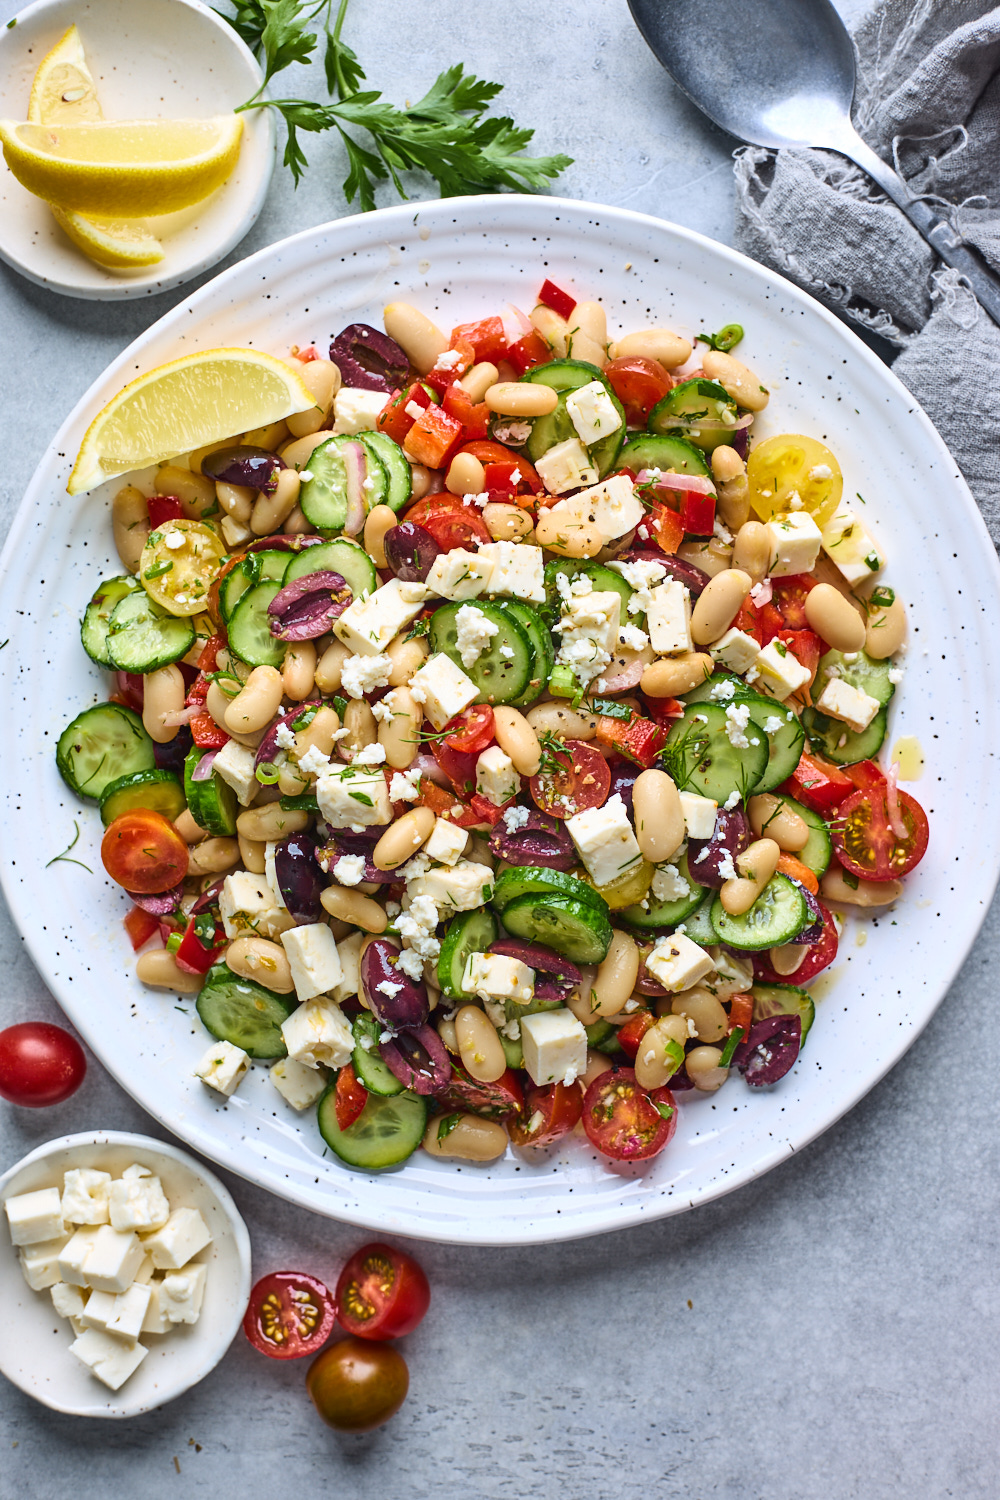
<point x="562" y="1197"/>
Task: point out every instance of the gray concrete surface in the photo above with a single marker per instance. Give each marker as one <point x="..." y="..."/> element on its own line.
<point x="828" y="1333"/>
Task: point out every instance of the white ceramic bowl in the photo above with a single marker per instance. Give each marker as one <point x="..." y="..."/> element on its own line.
<point x="150" y="59"/>
<point x="34" y="1351"/>
<point x="457" y="260"/>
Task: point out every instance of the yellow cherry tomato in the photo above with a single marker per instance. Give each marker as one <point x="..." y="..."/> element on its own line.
<point x="179" y="563"/>
<point x="789" y="466"/>
<point x="631" y="888"/>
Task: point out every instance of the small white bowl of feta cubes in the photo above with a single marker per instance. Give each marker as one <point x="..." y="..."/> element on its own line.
<point x="124" y="1273"/>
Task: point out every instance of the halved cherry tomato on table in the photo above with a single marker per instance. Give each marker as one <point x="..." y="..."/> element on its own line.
<point x="382" y="1293"/>
<point x="143" y="852"/>
<point x="639" y="384"/>
<point x="289" y="1315"/>
<point x="625" y="1121"/>
<point x="471" y="731"/>
<point x="494" y="1101"/>
<point x="550" y="1112"/>
<point x="450" y="522"/>
<point x="40" y="1064"/>
<point x="571" y="780"/>
<point x="349" y="1097"/>
<point x="356" y="1385"/>
<point x="865" y="843"/>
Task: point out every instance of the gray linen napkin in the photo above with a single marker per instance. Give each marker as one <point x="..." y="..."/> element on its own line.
<point x="928" y="100"/>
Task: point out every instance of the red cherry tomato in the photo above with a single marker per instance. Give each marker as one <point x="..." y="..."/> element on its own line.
<point x="382" y="1293"/>
<point x="549" y="1113"/>
<point x="626" y="1122"/>
<point x="865" y="843"/>
<point x="451" y="523"/>
<point x="494" y="1101"/>
<point x="638" y="383"/>
<point x="357" y="1385"/>
<point x="350" y="1097"/>
<point x="632" y="1031"/>
<point x="143" y="852"/>
<point x="40" y="1064"/>
<point x="471" y="731"/>
<point x="290" y="1315"/>
<point x="788" y="595"/>
<point x="459" y="766"/>
<point x="571" y="780"/>
<point x="140" y="926"/>
<point x="819" y="956"/>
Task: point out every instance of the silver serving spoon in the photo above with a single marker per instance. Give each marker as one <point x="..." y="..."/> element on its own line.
<point x="781" y="73"/>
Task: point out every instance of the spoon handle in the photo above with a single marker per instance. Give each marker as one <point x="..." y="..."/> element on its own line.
<point x="936" y="231"/>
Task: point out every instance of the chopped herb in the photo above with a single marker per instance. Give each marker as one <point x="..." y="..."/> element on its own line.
<point x="446" y="1125"/>
<point x="340" y="704"/>
<point x="361" y="797"/>
<point x="65" y="855"/>
<point x="880" y="598"/>
<point x="305" y="718"/>
<point x="849" y="879"/>
<point x="725" y="340"/>
<point x="732" y="1042"/>
<point x="158" y="569"/>
<point x="664" y="1110"/>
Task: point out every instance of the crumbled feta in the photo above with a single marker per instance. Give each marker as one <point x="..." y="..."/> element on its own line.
<point x="405" y="785"/>
<point x="410" y="962"/>
<point x="515" y="818"/>
<point x="314" y="762"/>
<point x="722" y="692"/>
<point x="737" y="719"/>
<point x="474" y="634"/>
<point x="284" y="737"/>
<point x="669" y="884"/>
<point x="731" y="802"/>
<point x="462" y="887"/>
<point x="388" y="989"/>
<point x="361" y="674"/>
<point x="370" y="755"/>
<point x="417" y="926"/>
<point x="349" y="869"/>
<point x="726" y="867"/>
<point x="632" y="637"/>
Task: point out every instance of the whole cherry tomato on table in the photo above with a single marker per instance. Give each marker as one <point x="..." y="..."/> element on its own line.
<point x="357" y="1385"/>
<point x="40" y="1064"/>
<point x="382" y="1293"/>
<point x="289" y="1315"/>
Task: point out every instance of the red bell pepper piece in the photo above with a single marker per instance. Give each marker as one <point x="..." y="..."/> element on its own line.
<point x="664" y="710"/>
<point x="818" y="784"/>
<point x="349" y="1098"/>
<point x="553" y="296"/>
<point x="638" y="739"/>
<point x="741" y="1013"/>
<point x="394" y="419"/>
<point x="528" y="352"/>
<point x="633" y="1031"/>
<point x="489" y="452"/>
<point x="432" y="436"/>
<point x="208" y="661"/>
<point x="198" y="691"/>
<point x="663" y="527"/>
<point x="698" y="513"/>
<point x="206" y="733"/>
<point x="140" y="926"/>
<point x="451" y="365"/>
<point x="487" y="811"/>
<point x="865" y="775"/>
<point x="203" y="941"/>
<point x="164" y="508"/>
<point x="474" y="416"/>
<point x="487" y="338"/>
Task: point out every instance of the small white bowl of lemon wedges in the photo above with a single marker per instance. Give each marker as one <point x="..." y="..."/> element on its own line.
<point x="127" y="169"/>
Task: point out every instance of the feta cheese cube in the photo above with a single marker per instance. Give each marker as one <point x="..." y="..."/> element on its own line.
<point x="496" y="779"/>
<point x="611" y="506"/>
<point x="180" y="1239"/>
<point x="85" y="1196"/>
<point x="35" y="1217"/>
<point x="794" y="540"/>
<point x="566" y="466"/>
<point x="596" y="616"/>
<point x="351" y="796"/>
<point x="699" y="815"/>
<point x="113" y="1259"/>
<point x="68" y="1301"/>
<point x="98" y="1308"/>
<point x="463" y="886"/>
<point x="839" y="700"/>
<point x="144" y="1275"/>
<point x="677" y="963"/>
<point x="850" y="547"/>
<point x="779" y="673"/>
<point x="494" y="976"/>
<point x="73" y="1255"/>
<point x="555" y="1047"/>
<point x="443" y="689"/>
<point x="447" y="842"/>
<point x="735" y="650"/>
<point x="235" y="764"/>
<point x="298" y="1085"/>
<point x="40" y="1263"/>
<point x="593" y="413"/>
<point x="368" y="625"/>
<point x="313" y="959"/>
<point x="129" y="1311"/>
<point x="222" y="1067"/>
<point x="517" y="569"/>
<point x="459" y="575"/>
<point x="668" y="618"/>
<point x="318" y="1035"/>
<point x="182" y="1293"/>
<point x="156" y="1320"/>
<point x="356" y="410"/>
<point x="247" y="904"/>
<point x="110" y="1359"/>
<point x="138" y="1202"/>
<point x="349" y="951"/>
<point x="605" y="841"/>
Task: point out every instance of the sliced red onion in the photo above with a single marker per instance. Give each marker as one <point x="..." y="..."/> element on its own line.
<point x="403" y="1003"/>
<point x="555" y="977"/>
<point x="730" y="837"/>
<point x="896" y="823"/>
<point x="814" y="931"/>
<point x="418" y="1059"/>
<point x="684" y="572"/>
<point x="208" y="897"/>
<point x="369" y="360"/>
<point x="182" y="716"/>
<point x="253" y="468"/>
<point x="298" y="879"/>
<point x="281" y="543"/>
<point x="305" y="609"/>
<point x="159" y="905"/>
<point x="516" y="325"/>
<point x="770" y="1050"/>
<point x="741" y="437"/>
<point x="540" y="841"/>
<point x="425" y="763"/>
<point x="410" y="551"/>
<point x="624" y="671"/>
<point x="699" y="484"/>
<point x="203" y="769"/>
<point x="355" y="456"/>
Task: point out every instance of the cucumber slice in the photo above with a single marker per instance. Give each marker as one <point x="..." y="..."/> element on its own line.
<point x="859" y="671"/>
<point x="528" y="880"/>
<point x="376" y="1076"/>
<point x="784" y="741"/>
<point x="605" y="580"/>
<point x="212" y="802"/>
<point x="650" y="450"/>
<point x="576" y="929"/>
<point x="342" y="556"/>
<point x="818" y="852"/>
<point x="142" y="637"/>
<point x="97" y="616"/>
<point x="701" y="757"/>
<point x="255" y="567"/>
<point x="513" y="1051"/>
<point x="842" y="745"/>
<point x="158" y="790"/>
<point x="598" y="1032"/>
<point x="543" y="653"/>
<point x="469" y="932"/>
<point x="102" y="745"/>
<point x="689" y="401"/>
<point x="666" y="913"/>
<point x="323" y="497"/>
<point x="703" y="692"/>
<point x="239" y="1011"/>
<point x="564" y="376"/>
<point x="250" y="635"/>
<point x="273" y="562"/>
<point x="610" y="1046"/>
<point x="499" y="678"/>
<point x="779" y="914"/>
<point x="385" y="1133"/>
<point x="783" y="1000"/>
<point x="698" y="925"/>
<point x="399" y="475"/>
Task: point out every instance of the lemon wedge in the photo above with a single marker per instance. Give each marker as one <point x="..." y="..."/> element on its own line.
<point x="118" y="244"/>
<point x="188" y="403"/>
<point x="123" y="168"/>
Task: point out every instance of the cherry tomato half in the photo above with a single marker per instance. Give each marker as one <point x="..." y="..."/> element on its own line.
<point x="494" y="1101"/>
<point x="571" y="780"/>
<point x="40" y="1064"/>
<point x="144" y="852"/>
<point x="458" y="765"/>
<point x="865" y="843"/>
<point x="350" y="1097"/>
<point x="819" y="956"/>
<point x="626" y="1122"/>
<point x="289" y="1315"/>
<point x="382" y="1293"/>
<point x="638" y="383"/>
<point x="550" y="1112"/>
<point x="451" y="523"/>
<point x="471" y="731"/>
<point x="357" y="1385"/>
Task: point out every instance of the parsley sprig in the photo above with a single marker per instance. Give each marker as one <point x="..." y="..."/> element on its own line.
<point x="448" y="134"/>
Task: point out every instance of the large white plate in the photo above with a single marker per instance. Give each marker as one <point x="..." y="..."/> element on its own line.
<point x="458" y="260"/>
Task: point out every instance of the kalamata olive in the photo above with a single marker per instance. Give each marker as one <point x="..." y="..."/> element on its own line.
<point x="268" y="750"/>
<point x="172" y="755"/>
<point x="410" y="552"/>
<point x="814" y="931"/>
<point x="305" y="609"/>
<point x="712" y="861"/>
<point x="159" y="905"/>
<point x="395" y="999"/>
<point x="680" y="1081"/>
<point x="555" y="977"/>
<point x="369" y="360"/>
<point x="281" y="543"/>
<point x="298" y="876"/>
<point x="684" y="572"/>
<point x="208" y="897"/>
<point x="253" y="468"/>
<point x="740" y="440"/>
<point x="624" y="775"/>
<point x="418" y="1059"/>
<point x="645" y="984"/>
<point x="540" y="841"/>
<point x="770" y="1050"/>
